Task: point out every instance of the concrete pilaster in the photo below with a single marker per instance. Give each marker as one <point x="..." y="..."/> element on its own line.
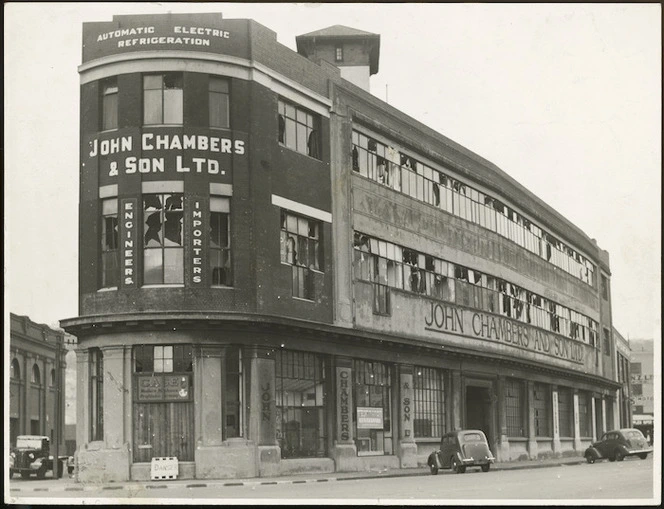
<point x="556" y="422"/>
<point x="604" y="429"/>
<point x="262" y="418"/>
<point x="457" y="391"/>
<point x="577" y="429"/>
<point x="532" y="441"/>
<point x="502" y="445"/>
<point x="407" y="446"/>
<point x="345" y="450"/>
<point x="594" y="418"/>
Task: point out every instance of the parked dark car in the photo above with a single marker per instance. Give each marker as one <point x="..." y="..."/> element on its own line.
<point x="32" y="456"/>
<point x="461" y="449"/>
<point x="617" y="444"/>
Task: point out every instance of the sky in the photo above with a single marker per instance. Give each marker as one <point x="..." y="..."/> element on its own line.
<point x="565" y="98"/>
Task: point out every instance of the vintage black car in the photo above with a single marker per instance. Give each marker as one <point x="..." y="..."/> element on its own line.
<point x="32" y="456"/>
<point x="461" y="449"/>
<point x="617" y="444"/>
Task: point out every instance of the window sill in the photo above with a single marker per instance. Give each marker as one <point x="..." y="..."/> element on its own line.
<point x="303" y="299"/>
<point x="301" y="153"/>
<point x="181" y="124"/>
<point x="222" y="287"/>
<point x="104" y="131"/>
<point x="109" y="289"/>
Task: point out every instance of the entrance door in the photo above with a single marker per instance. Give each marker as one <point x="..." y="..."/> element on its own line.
<point x="478" y="410"/>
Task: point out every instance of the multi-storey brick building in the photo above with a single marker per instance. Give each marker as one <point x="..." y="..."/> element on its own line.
<point x="33" y="382"/>
<point x="624" y="397"/>
<point x="280" y="272"/>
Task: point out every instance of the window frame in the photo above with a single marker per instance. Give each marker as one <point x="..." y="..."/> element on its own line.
<point x="96" y="394"/>
<point x="109" y="96"/>
<point x="163" y="248"/>
<point x="292" y="226"/>
<point x="109" y="277"/>
<point x="429" y="401"/>
<point x="163" y="103"/>
<point x="224" y="95"/>
<point x="216" y="253"/>
<point x="292" y="120"/>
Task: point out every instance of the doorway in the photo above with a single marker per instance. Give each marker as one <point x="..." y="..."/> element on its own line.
<point x="479" y="414"/>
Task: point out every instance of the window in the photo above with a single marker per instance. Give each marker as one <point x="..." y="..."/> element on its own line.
<point x="301" y="247"/>
<point x="218" y="101"/>
<point x="96" y="394"/>
<point x="541" y="408"/>
<point x="565" y="412"/>
<point x="52" y="378"/>
<point x="163" y="405"/>
<point x="162" y="99"/>
<point x="300" y="403"/>
<point x="220" y="242"/>
<point x="109" y="243"/>
<point x="299" y="129"/>
<point x="605" y="287"/>
<point x="233" y="393"/>
<point x="109" y="104"/>
<point x="163" y="239"/>
<point x="15" y="370"/>
<point x="607" y="341"/>
<point x="514" y="408"/>
<point x="36" y="375"/>
<point x="373" y="409"/>
<point x="429" y="411"/>
<point x="339" y="54"/>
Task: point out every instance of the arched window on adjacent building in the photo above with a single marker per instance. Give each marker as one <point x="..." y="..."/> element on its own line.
<point x="36" y="376"/>
<point x="15" y="370"/>
<point x="53" y="378"/>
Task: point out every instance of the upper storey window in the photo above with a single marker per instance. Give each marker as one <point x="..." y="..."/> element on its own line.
<point x="163" y="239"/>
<point x="162" y="99"/>
<point x="405" y="174"/>
<point x="109" y="243"/>
<point x="109" y="104"/>
<point x="218" y="100"/>
<point x="220" y="241"/>
<point x="299" y="129"/>
<point x="339" y="54"/>
<point x="301" y="248"/>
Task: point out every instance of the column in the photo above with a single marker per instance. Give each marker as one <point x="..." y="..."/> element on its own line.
<point x="208" y="403"/>
<point x="532" y="440"/>
<point x="594" y="418"/>
<point x="82" y="398"/>
<point x="502" y="445"/>
<point x="577" y="429"/>
<point x="604" y="428"/>
<point x="456" y="409"/>
<point x="262" y="418"/>
<point x="345" y="451"/>
<point x="556" y="422"/>
<point x="407" y="445"/>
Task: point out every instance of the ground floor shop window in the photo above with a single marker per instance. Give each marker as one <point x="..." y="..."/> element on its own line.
<point x="233" y="393"/>
<point x="163" y="409"/>
<point x="514" y="408"/>
<point x="541" y="407"/>
<point x="373" y="407"/>
<point x="96" y="394"/>
<point x="565" y="412"/>
<point x="429" y="411"/>
<point x="300" y="403"/>
<point x="585" y="417"/>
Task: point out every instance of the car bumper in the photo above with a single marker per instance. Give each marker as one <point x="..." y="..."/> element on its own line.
<point x="639" y="451"/>
<point x="477" y="461"/>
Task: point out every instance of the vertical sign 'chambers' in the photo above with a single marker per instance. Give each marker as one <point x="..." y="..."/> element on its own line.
<point x="128" y="241"/>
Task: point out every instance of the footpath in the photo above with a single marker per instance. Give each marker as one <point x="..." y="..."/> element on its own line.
<point x="45" y="487"/>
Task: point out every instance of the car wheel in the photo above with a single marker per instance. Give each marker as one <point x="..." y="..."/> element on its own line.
<point x="643" y="456"/>
<point x="25" y="475"/>
<point x="590" y="458"/>
<point x="485" y="468"/>
<point x="456" y="466"/>
<point x="612" y="458"/>
<point x="41" y="472"/>
<point x="434" y="469"/>
<point x="619" y="455"/>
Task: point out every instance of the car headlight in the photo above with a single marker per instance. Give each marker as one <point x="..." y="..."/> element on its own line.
<point x="31" y="456"/>
<point x="12" y="454"/>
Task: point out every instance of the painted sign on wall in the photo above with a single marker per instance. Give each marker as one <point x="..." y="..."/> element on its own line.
<point x="129" y="242"/>
<point x="344" y="402"/>
<point x="446" y="318"/>
<point x="156" y="387"/>
<point x="182" y="32"/>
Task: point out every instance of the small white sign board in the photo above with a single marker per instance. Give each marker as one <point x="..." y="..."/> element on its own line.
<point x="164" y="468"/>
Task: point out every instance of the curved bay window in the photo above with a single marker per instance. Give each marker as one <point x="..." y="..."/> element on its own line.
<point x="163" y="260"/>
<point x="372" y="415"/>
<point x="163" y="402"/>
<point x="429" y="390"/>
<point x="300" y="402"/>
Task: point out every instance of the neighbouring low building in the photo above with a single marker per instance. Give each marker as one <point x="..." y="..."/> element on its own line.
<point x="279" y="272"/>
<point x="642" y="384"/>
<point x="623" y="417"/>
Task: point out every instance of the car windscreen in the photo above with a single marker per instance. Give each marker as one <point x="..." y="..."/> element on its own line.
<point x="633" y="434"/>
<point x="28" y="443"/>
<point x="473" y="437"/>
